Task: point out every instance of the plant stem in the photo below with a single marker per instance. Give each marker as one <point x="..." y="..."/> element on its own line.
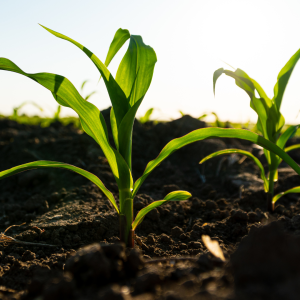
<point x="126" y="217"/>
<point x="270" y="194"/>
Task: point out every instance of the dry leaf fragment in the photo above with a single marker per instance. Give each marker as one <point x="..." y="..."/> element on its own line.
<point x="213" y="247"/>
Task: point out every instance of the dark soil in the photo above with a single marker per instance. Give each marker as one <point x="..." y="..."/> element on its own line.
<point x="63" y="209"/>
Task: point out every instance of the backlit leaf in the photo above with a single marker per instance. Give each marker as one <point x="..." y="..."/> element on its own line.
<point x="283" y="79"/>
<point x="206" y="133"/>
<point x="242" y="152"/>
<point x="293" y="190"/>
<point x="91" y="118"/>
<point x="173" y="196"/>
<point x="121" y="36"/>
<point x="54" y="164"/>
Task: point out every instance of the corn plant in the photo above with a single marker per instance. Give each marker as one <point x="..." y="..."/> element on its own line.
<point x="126" y="92"/>
<point x="146" y="117"/>
<point x="15" y="116"/>
<point x="269" y="123"/>
<point x="56" y="116"/>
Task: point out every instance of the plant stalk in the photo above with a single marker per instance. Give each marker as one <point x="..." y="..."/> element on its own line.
<point x="270" y="194"/>
<point x="126" y="217"/>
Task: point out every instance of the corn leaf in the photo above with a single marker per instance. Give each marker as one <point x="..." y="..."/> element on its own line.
<point x="135" y="71"/>
<point x="288" y="149"/>
<point x="114" y="127"/>
<point x="86" y="98"/>
<point x="173" y="196"/>
<point x="288" y="134"/>
<point x="134" y="76"/>
<point x="293" y="190"/>
<point x="121" y="36"/>
<point x="83" y="84"/>
<point x="147" y="115"/>
<point x="292" y="147"/>
<point x="216" y="75"/>
<point x="54" y="164"/>
<point x="117" y="96"/>
<point x="270" y="120"/>
<point x="91" y="118"/>
<point x="283" y="79"/>
<point x="206" y="133"/>
<point x="242" y="152"/>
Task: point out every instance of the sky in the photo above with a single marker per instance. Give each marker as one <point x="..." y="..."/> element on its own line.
<point x="191" y="38"/>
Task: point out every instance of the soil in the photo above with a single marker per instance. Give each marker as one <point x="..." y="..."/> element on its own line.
<point x="169" y="261"/>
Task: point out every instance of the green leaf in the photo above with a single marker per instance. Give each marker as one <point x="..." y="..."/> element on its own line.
<point x="288" y="134"/>
<point x="91" y="118"/>
<point x="287" y="149"/>
<point x="114" y="127"/>
<point x="178" y="195"/>
<point x="293" y="147"/>
<point x="242" y="152"/>
<point x="134" y="75"/>
<point x="206" y="133"/>
<point x="293" y="190"/>
<point x="283" y="79"/>
<point x="117" y="96"/>
<point x="29" y="102"/>
<point x="270" y="121"/>
<point x="203" y="116"/>
<point x="147" y="115"/>
<point x="83" y="84"/>
<point x="216" y="75"/>
<point x="173" y="196"/>
<point x="54" y="164"/>
<point x="135" y="71"/>
<point x="121" y="36"/>
<point x="86" y="98"/>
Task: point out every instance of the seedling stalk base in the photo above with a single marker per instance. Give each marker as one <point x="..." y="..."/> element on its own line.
<point x="126" y="217"/>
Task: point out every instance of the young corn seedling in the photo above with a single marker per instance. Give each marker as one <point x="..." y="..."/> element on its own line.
<point x="56" y="116"/>
<point x="126" y="92"/>
<point x="269" y="123"/>
<point x="15" y="116"/>
<point x="146" y="117"/>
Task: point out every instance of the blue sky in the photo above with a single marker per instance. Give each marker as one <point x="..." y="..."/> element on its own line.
<point x="191" y="40"/>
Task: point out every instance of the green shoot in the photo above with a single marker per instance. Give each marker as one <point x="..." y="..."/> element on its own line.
<point x="15" y="115"/>
<point x="56" y="116"/>
<point x="146" y="117"/>
<point x="270" y="121"/>
<point x="126" y="91"/>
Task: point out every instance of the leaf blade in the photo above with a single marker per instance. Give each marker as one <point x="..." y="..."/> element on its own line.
<point x="91" y="118"/>
<point x="136" y="69"/>
<point x="283" y="78"/>
<point x="293" y="190"/>
<point x="121" y="36"/>
<point x="54" y="164"/>
<point x="116" y="94"/>
<point x="242" y="152"/>
<point x="206" y="133"/>
<point x="289" y="133"/>
<point x="173" y="196"/>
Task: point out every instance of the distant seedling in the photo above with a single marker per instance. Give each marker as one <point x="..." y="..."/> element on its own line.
<point x="146" y="117"/>
<point x="270" y="122"/>
<point x="15" y="116"/>
<point x="126" y="92"/>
